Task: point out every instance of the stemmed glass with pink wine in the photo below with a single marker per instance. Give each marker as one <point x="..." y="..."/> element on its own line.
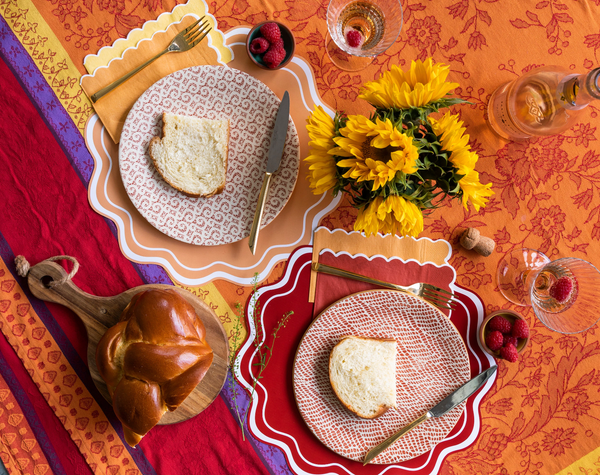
<point x="564" y="293"/>
<point x="359" y="30"/>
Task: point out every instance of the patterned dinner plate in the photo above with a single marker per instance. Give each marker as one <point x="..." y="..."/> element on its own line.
<point x="431" y="362"/>
<point x="212" y="92"/>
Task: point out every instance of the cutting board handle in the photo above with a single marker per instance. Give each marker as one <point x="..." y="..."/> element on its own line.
<point x="96" y="313"/>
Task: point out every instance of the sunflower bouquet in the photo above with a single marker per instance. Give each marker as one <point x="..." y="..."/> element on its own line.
<point x="399" y="162"/>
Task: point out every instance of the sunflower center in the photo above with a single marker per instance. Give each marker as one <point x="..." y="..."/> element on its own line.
<point x="377" y="154"/>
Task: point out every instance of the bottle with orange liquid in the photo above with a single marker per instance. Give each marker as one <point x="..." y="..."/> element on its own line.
<point x="545" y="101"/>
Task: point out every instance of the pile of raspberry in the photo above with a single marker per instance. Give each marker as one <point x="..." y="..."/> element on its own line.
<point x="271" y="44"/>
<point x="503" y="336"/>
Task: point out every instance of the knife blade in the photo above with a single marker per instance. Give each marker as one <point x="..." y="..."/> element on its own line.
<point x="273" y="161"/>
<point x="443" y="407"/>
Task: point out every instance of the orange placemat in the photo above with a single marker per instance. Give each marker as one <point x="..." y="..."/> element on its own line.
<point x="192" y="265"/>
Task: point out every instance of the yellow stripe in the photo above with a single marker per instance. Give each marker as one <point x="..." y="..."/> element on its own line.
<point x="196" y="7"/>
<point x="589" y="464"/>
<point x="230" y="318"/>
<point x="50" y="57"/>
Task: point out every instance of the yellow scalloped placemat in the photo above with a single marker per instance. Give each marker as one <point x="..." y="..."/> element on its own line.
<point x="197" y="8"/>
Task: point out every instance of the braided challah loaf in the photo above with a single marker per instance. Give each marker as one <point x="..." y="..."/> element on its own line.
<point x="152" y="359"/>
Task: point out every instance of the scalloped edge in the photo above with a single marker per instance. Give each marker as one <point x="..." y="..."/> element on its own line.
<point x="290" y="446"/>
<point x="110" y="53"/>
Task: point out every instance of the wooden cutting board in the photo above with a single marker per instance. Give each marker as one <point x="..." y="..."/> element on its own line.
<point x="100" y="313"/>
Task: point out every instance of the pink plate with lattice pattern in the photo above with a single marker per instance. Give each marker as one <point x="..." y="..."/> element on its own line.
<point x="431" y="362"/>
<point x="212" y="92"/>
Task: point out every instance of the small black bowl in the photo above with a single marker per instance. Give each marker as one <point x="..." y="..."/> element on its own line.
<point x="289" y="44"/>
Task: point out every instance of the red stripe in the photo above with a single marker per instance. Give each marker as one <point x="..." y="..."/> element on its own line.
<point x="45" y="212"/>
<point x="209" y="443"/>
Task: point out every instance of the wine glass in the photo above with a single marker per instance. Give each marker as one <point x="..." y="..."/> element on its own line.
<point x="378" y="23"/>
<point x="563" y="293"/>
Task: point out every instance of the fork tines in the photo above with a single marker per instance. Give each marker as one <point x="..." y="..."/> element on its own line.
<point x="439" y="297"/>
<point x="445" y="304"/>
<point x="192" y="33"/>
<point x="438" y="290"/>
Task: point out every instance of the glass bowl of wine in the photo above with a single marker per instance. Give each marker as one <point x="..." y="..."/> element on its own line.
<point x="360" y="30"/>
<point x="564" y="293"/>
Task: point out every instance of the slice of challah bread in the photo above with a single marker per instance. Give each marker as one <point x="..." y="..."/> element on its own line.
<point x="192" y="154"/>
<point x="362" y="372"/>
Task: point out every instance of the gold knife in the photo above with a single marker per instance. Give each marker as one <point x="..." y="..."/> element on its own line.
<point x="445" y="406"/>
<point x="275" y="155"/>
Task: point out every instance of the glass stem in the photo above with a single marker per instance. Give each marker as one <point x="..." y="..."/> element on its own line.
<point x="542" y="282"/>
<point x="530" y="281"/>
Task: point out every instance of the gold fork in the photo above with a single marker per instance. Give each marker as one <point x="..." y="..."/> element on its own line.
<point x="184" y="41"/>
<point x="434" y="295"/>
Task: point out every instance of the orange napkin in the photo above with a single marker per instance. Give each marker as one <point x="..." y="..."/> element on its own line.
<point x="422" y="250"/>
<point x="114" y="106"/>
<point x="331" y="288"/>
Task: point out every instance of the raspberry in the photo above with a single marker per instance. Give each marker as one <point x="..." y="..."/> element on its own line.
<point x="270" y="32"/>
<point x="259" y="45"/>
<point x="277" y="44"/>
<point x="520" y="329"/>
<point x="494" y="340"/>
<point x="510" y="340"/>
<point x="354" y="38"/>
<point x="561" y="289"/>
<point x="509" y="353"/>
<point x="500" y="324"/>
<point x="273" y="57"/>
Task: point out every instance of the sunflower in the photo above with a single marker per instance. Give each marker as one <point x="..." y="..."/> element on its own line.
<point x="374" y="151"/>
<point x="322" y="172"/>
<point x="393" y="215"/>
<point x="473" y="191"/>
<point x="397" y="161"/>
<point x="452" y="135"/>
<point x="423" y="83"/>
<point x="367" y="217"/>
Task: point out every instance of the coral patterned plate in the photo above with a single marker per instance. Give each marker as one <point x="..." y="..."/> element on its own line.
<point x="431" y="362"/>
<point x="212" y="92"/>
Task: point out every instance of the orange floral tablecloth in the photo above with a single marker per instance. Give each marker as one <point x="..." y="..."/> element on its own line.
<point x="541" y="415"/>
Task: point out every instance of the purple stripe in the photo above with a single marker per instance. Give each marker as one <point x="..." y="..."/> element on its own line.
<point x="61" y="125"/>
<point x="73" y="145"/>
<point x="32" y="418"/>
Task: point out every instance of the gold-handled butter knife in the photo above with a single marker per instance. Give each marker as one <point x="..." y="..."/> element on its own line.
<point x="445" y="406"/>
<point x="274" y="159"/>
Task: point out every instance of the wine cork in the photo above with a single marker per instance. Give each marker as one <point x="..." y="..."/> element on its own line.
<point x="472" y="239"/>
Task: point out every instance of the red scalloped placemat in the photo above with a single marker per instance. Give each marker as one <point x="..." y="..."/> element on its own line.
<point x="274" y="417"/>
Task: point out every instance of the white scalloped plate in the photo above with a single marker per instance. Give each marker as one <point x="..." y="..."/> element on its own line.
<point x="212" y="92"/>
<point x="431" y="362"/>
